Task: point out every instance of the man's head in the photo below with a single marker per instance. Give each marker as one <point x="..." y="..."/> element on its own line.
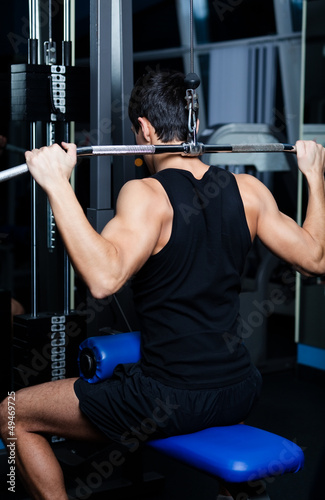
<point x="160" y="97"/>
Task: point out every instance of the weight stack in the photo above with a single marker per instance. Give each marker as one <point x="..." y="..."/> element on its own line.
<point x="45" y="347"/>
<point x="38" y="91"/>
<point x="5" y="356"/>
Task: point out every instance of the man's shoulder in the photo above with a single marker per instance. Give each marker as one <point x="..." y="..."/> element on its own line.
<point x="248" y="180"/>
<point x="255" y="195"/>
<point x="147" y="187"/>
<point x="146" y="193"/>
<point x="250" y="185"/>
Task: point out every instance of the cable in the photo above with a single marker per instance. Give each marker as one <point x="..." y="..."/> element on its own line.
<point x="122" y="313"/>
<point x="191" y="38"/>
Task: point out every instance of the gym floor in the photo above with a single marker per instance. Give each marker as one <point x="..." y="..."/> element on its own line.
<point x="292" y="405"/>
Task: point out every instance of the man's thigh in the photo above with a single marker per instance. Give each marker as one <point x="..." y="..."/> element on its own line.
<point x="53" y="408"/>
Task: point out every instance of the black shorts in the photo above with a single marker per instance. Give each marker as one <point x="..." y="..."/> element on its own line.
<point x="131" y="408"/>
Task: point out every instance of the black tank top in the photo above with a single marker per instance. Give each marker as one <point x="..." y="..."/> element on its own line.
<point x="187" y="295"/>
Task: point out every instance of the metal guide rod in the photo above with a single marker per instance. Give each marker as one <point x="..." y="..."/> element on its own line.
<point x="33" y="58"/>
<point x="66" y="60"/>
<point x="32" y="19"/>
<point x="184" y="149"/>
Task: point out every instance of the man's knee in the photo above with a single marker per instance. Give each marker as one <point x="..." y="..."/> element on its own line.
<point x="9" y="416"/>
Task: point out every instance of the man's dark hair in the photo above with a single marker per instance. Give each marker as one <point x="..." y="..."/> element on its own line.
<point x="159" y="96"/>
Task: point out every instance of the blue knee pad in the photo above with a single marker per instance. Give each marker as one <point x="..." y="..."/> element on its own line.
<point x="98" y="356"/>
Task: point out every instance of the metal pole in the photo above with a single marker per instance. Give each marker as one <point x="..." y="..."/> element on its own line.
<point x="72" y="37"/>
<point x="66" y="60"/>
<point x="100" y="110"/>
<point x="32" y="19"/>
<point x="122" y="82"/>
<point x="66" y="21"/>
<point x="300" y="176"/>
<point x="33" y="59"/>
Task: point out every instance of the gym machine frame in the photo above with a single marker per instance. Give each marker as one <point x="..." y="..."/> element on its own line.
<point x="45" y="342"/>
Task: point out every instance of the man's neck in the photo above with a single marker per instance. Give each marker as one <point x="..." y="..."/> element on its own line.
<point x="176" y="161"/>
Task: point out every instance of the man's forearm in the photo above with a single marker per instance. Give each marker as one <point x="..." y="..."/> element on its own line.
<point x="314" y="222"/>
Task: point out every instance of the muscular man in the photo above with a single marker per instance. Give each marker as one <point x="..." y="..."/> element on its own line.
<point x="181" y="236"/>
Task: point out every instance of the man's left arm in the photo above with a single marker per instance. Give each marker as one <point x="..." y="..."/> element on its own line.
<point x="104" y="261"/>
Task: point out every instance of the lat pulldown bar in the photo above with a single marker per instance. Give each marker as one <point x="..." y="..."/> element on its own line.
<point x="186" y="149"/>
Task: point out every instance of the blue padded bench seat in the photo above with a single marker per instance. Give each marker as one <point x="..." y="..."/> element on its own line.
<point x="235" y="454"/>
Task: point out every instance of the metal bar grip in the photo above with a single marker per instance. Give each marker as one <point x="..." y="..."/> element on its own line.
<point x="263" y="148"/>
<point x="115" y="150"/>
<point x="250" y="148"/>
<point x="5" y="175"/>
